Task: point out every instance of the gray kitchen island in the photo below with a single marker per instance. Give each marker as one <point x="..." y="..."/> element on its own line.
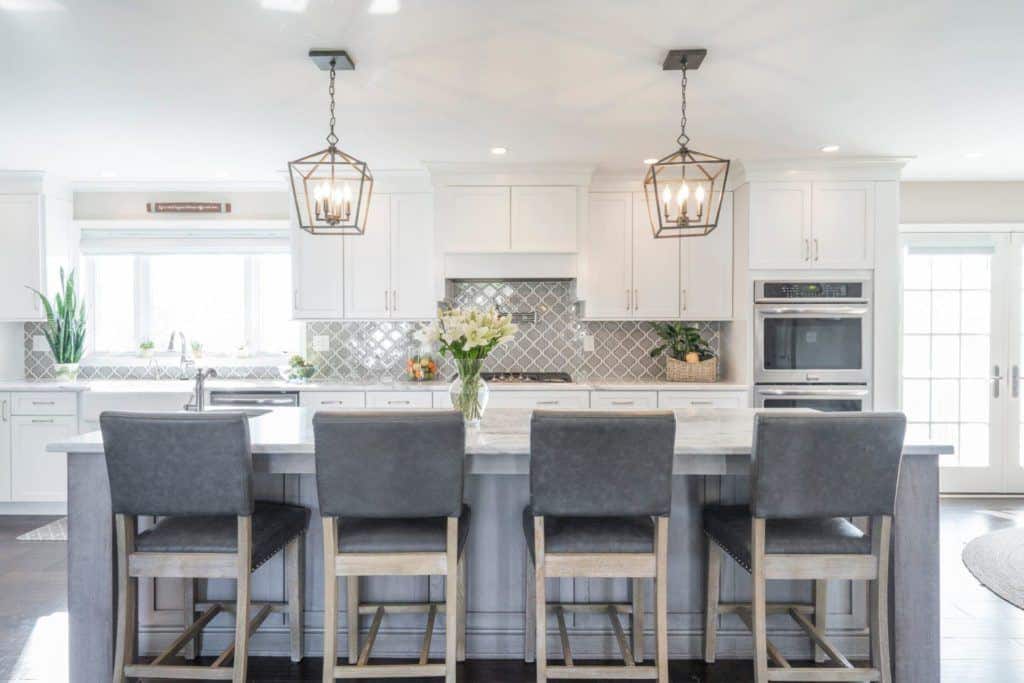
<point x="712" y="462"/>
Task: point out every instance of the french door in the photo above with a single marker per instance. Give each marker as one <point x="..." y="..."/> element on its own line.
<point x="962" y="354"/>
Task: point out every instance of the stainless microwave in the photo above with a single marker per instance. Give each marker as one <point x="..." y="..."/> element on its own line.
<point x="812" y="332"/>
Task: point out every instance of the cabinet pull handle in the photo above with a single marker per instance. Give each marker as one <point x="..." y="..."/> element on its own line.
<point x="398" y="403"/>
<point x="805" y="250"/>
<point x="996" y="378"/>
<point x="46" y="421"/>
<point x="702" y="403"/>
<point x="816" y="251"/>
<point x="3" y="410"/>
<point x="332" y="403"/>
<point x="386" y="300"/>
<point x="636" y="299"/>
<point x="684" y="299"/>
<point x="627" y="300"/>
<point x="547" y="403"/>
<point x="394" y="299"/>
<point x="1015" y="385"/>
<point x="295" y="299"/>
<point x="623" y="403"/>
<point x="42" y="403"/>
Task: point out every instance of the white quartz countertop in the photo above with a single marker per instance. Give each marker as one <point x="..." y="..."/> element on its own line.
<point x="171" y="386"/>
<point x="700" y="431"/>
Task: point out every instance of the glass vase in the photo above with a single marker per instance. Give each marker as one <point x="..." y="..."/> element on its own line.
<point x="469" y="392"/>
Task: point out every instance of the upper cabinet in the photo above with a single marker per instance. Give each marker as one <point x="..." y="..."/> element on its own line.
<point x="627" y="274"/>
<point x="811" y="225"/>
<point x="525" y="219"/>
<point x="316" y="275"/>
<point x="21" y="259"/>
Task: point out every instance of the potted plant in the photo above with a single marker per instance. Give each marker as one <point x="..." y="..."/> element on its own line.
<point x="146" y="347"/>
<point x="65" y="327"/>
<point x="298" y="370"/>
<point x="689" y="358"/>
<point x="469" y="336"/>
<point x="197" y="349"/>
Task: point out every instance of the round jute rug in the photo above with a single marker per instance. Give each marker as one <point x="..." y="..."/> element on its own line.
<point x="997" y="560"/>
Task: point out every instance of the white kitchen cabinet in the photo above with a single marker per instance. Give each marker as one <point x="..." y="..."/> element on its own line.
<point x="389" y="269"/>
<point x="607" y="262"/>
<point x="21" y="259"/>
<point x="36" y="475"/>
<point x="332" y="400"/>
<point x="656" y="290"/>
<point x="624" y="400"/>
<point x="316" y="275"/>
<point x="94" y="403"/>
<point x="476" y="219"/>
<point x="5" y="448"/>
<point x="398" y="400"/>
<point x="706" y="276"/>
<point x="543" y="219"/>
<point x="541" y="399"/>
<point x="780" y="225"/>
<point x="674" y="400"/>
<point x="842" y="225"/>
<point x="44" y="403"/>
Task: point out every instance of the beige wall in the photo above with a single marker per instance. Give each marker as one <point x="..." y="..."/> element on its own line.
<point x="122" y="205"/>
<point x="962" y="202"/>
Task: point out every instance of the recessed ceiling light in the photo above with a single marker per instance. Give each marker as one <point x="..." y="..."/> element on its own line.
<point x="829" y="148"/>
<point x="384" y="7"/>
<point x="974" y="155"/>
<point x="285" y="5"/>
<point x="499" y="151"/>
<point x="650" y="161"/>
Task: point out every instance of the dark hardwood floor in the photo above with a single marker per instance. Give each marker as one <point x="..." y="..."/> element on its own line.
<point x="982" y="635"/>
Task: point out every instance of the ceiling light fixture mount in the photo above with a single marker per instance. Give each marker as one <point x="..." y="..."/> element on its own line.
<point x="331" y="188"/>
<point x="671" y="180"/>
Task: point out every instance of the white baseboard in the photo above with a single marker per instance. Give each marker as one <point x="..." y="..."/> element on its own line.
<point x="33" y="508"/>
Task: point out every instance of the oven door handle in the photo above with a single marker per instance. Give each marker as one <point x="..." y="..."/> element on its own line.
<point x="826" y="393"/>
<point x="819" y="310"/>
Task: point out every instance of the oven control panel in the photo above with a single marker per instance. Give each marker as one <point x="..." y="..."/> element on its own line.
<point x="774" y="290"/>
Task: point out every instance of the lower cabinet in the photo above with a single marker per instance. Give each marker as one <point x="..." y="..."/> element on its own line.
<point x="36" y="475"/>
<point x="539" y="399"/>
<point x="624" y="400"/>
<point x="5" y="448"/>
<point x="332" y="400"/>
<point x="398" y="400"/>
<point x="702" y="399"/>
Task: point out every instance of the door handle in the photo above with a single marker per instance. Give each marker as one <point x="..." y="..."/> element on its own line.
<point x="996" y="378"/>
<point x="1015" y="381"/>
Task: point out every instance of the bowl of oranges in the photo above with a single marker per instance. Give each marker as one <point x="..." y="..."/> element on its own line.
<point x="421" y="368"/>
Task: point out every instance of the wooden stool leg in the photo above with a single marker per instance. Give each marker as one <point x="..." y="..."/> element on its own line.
<point x="661" y="598"/>
<point x="820" y="615"/>
<point x="712" y="597"/>
<point x="352" y="617"/>
<point x="540" y="602"/>
<point x="637" y="625"/>
<point x="451" y="600"/>
<point x="330" y="599"/>
<point x="295" y="578"/>
<point x="240" y="666"/>
<point x="530" y="637"/>
<point x="758" y="611"/>
<point x="188" y="608"/>
<point x="881" y="530"/>
<point x="127" y="591"/>
<point x="463" y="609"/>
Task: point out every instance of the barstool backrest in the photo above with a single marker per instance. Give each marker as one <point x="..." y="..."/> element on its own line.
<point x="601" y="463"/>
<point x="178" y="464"/>
<point x="390" y="464"/>
<point x="826" y="465"/>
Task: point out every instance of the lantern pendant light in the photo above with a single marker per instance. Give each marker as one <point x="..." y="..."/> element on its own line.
<point x="684" y="190"/>
<point x="331" y="188"/>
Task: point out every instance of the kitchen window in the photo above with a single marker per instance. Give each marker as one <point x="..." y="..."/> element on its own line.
<point x="226" y="291"/>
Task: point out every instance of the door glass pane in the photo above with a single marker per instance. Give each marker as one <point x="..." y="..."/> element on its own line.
<point x="812" y="343"/>
<point x="947" y="316"/>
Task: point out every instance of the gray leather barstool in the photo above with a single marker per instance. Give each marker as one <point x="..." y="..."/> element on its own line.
<point x="195" y="471"/>
<point x="390" y="494"/>
<point x="810" y="473"/>
<point x="600" y="498"/>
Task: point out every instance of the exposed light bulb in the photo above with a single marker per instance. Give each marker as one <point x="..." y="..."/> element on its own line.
<point x="684" y="193"/>
<point x="829" y="148"/>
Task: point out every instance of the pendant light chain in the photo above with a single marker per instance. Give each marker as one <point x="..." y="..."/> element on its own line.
<point x="332" y="139"/>
<point x="683" y="138"/>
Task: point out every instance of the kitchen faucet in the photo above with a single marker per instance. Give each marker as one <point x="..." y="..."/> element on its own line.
<point x="198" y="402"/>
<point x="184" y="363"/>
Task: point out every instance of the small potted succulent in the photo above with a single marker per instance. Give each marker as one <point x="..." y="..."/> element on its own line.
<point x="689" y="358"/>
<point x="64" y="327"/>
<point x="146" y="347"/>
<point x="298" y="370"/>
<point x="197" y="349"/>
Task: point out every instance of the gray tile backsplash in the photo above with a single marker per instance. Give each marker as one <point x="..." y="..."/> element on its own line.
<point x="377" y="350"/>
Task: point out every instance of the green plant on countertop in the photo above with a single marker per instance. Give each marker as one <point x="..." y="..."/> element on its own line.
<point x="146" y="345"/>
<point x="300" y="368"/>
<point x="681" y="342"/>
<point x="197" y="349"/>
<point x="65" y="321"/>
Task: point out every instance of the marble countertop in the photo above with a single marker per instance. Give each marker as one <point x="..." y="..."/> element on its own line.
<point x="185" y="386"/>
<point x="699" y="432"/>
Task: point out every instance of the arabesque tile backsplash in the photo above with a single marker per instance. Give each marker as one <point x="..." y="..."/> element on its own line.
<point x="377" y="350"/>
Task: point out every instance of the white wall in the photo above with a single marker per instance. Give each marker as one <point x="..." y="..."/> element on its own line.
<point x="12" y="351"/>
<point x="962" y="202"/>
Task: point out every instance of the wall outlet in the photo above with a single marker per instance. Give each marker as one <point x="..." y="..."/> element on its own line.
<point x="588" y="343"/>
<point x="321" y="342"/>
<point x="39" y="343"/>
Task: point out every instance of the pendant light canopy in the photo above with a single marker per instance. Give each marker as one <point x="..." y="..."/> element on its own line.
<point x="684" y="190"/>
<point x="331" y="188"/>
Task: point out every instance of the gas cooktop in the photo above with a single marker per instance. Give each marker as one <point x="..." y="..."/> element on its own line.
<point x="535" y="377"/>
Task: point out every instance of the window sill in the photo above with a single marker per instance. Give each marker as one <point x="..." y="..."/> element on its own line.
<point x="172" y="360"/>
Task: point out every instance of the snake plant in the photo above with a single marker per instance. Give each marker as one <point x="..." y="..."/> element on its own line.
<point x="65" y="321"/>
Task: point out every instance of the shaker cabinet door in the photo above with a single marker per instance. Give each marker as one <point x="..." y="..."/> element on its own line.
<point x="656" y="290"/>
<point x="843" y="225"/>
<point x="780" y="225"/>
<point x="21" y="259"/>
<point x="606" y="265"/>
<point x="475" y="219"/>
<point x="412" y="257"/>
<point x="707" y="275"/>
<point x="544" y="219"/>
<point x="316" y="275"/>
<point x="36" y="475"/>
<point x="367" y="282"/>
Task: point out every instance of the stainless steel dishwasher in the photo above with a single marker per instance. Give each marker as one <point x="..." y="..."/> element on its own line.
<point x="255" y="398"/>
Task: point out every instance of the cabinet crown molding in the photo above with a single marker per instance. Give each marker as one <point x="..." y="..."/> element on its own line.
<point x="455" y="173"/>
<point x="871" y="168"/>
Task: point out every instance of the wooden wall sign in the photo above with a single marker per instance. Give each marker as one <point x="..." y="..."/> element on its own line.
<point x="188" y="207"/>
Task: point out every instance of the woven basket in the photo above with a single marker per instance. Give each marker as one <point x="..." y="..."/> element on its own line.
<point x="703" y="371"/>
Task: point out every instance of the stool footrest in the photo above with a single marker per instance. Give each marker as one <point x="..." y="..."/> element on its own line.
<point x="389" y="670"/>
<point x="603" y="673"/>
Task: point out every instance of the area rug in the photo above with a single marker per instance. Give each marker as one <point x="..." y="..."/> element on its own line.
<point x="54" y="531"/>
<point x="997" y="561"/>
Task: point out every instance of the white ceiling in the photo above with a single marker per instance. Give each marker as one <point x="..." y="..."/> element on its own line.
<point x="196" y="89"/>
